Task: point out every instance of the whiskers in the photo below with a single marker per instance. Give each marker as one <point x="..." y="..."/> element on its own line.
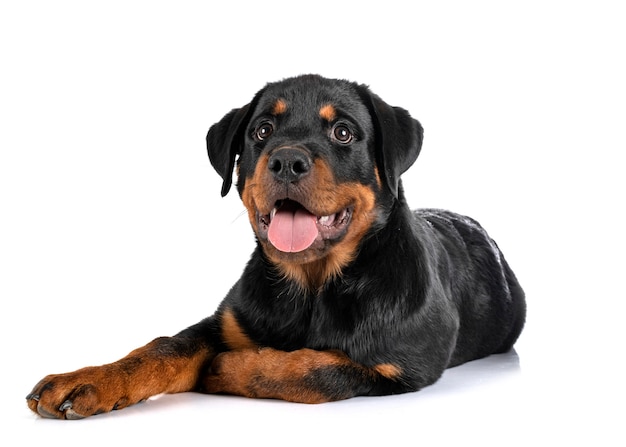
<point x="238" y="216"/>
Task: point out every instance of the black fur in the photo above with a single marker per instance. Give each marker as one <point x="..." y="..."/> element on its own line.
<point x="428" y="289"/>
<point x="382" y="302"/>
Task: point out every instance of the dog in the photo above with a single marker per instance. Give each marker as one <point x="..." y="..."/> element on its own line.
<point x="347" y="293"/>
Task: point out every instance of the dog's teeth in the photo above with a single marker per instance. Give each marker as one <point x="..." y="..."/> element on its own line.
<point x="273" y="213"/>
<point x="327" y="220"/>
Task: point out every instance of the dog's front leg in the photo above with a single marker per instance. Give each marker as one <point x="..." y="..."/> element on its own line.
<point x="165" y="365"/>
<point x="305" y="375"/>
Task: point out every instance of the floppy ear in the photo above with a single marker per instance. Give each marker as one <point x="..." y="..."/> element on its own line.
<point x="225" y="142"/>
<point x="398" y="139"/>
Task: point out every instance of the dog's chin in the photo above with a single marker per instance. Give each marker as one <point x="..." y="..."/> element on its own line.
<point x="308" y="256"/>
<point x="291" y="233"/>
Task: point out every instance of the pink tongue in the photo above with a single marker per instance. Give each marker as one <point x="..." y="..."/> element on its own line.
<point x="292" y="231"/>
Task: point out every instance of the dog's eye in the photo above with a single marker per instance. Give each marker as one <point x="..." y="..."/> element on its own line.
<point x="263" y="131"/>
<point x="342" y="134"/>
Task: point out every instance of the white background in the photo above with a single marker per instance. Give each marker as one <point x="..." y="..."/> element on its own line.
<point x="112" y="229"/>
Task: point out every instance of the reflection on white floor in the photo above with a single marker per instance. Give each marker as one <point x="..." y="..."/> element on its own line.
<point x="481" y="372"/>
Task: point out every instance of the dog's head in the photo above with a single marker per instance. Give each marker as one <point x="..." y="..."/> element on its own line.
<point x="318" y="161"/>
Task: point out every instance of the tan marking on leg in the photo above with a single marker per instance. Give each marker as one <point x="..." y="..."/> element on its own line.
<point x="388" y="370"/>
<point x="269" y="373"/>
<point x="232" y="333"/>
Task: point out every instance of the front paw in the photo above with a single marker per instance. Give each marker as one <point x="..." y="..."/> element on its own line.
<point x="78" y="394"/>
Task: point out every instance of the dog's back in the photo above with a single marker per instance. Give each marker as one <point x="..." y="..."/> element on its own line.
<point x="489" y="299"/>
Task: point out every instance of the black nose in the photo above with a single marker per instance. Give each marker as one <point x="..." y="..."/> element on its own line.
<point x="289" y="164"/>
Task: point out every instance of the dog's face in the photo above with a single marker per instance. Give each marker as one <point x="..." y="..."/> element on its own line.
<point x="318" y="163"/>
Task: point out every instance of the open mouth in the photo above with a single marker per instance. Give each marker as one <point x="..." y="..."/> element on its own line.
<point x="291" y="228"/>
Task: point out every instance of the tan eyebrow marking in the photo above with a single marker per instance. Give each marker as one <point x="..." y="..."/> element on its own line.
<point x="328" y="112"/>
<point x="280" y="106"/>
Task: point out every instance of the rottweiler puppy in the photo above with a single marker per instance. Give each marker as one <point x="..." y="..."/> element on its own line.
<point x="348" y="291"/>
